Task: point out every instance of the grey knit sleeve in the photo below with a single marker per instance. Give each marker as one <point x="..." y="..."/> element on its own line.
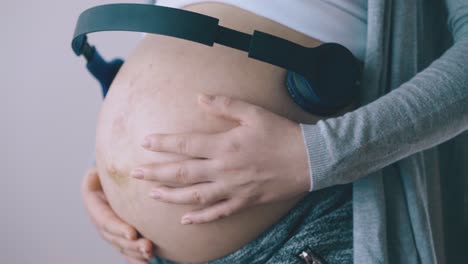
<point x="427" y="110"/>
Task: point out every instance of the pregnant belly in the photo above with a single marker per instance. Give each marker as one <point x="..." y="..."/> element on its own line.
<point x="156" y="92"/>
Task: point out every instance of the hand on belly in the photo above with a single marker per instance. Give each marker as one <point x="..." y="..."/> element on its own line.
<point x="261" y="160"/>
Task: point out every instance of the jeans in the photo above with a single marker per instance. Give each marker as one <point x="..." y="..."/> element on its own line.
<point x="321" y="222"/>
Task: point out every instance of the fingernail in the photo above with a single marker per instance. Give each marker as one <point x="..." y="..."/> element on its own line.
<point x="146" y="143"/>
<point x="207" y="98"/>
<point x="137" y="174"/>
<point x="186" y="221"/>
<point x="128" y="236"/>
<point x="155" y="194"/>
<point x="143" y="250"/>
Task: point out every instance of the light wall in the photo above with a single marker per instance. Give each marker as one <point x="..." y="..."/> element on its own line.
<point x="48" y="110"/>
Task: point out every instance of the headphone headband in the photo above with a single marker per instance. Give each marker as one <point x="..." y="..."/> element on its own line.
<point x="145" y="18"/>
<point x="190" y="26"/>
<point x="330" y="68"/>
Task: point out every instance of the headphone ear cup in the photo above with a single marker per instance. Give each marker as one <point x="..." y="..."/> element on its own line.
<point x="336" y="74"/>
<point x="330" y="83"/>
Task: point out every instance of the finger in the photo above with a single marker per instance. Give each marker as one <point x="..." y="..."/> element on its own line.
<point x="193" y="145"/>
<point x="189" y="171"/>
<point x="91" y="181"/>
<point x="229" y="108"/>
<point x="136" y="255"/>
<point x="220" y="210"/>
<point x="100" y="211"/>
<point x="203" y="193"/>
<point x="107" y="220"/>
<point x="111" y="223"/>
<point x="141" y="248"/>
<point x="126" y="247"/>
<point x="135" y="260"/>
<point x="147" y="247"/>
<point x="91" y="185"/>
<point x="145" y="250"/>
<point x="133" y="254"/>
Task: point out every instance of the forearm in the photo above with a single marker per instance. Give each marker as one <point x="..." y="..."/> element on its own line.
<point x="423" y="112"/>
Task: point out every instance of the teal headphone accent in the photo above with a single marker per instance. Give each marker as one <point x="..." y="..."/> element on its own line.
<point x="322" y="80"/>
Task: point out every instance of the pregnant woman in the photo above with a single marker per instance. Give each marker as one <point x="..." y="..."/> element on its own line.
<point x="157" y="91"/>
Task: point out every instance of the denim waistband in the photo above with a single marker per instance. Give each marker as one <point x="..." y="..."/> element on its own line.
<point x="321" y="222"/>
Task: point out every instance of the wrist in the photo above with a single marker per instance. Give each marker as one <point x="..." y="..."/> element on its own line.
<point x="309" y="177"/>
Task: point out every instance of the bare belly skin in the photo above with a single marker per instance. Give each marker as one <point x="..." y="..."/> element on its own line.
<point x="156" y="92"/>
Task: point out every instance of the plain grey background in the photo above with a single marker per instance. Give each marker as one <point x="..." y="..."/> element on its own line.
<point x="48" y="110"/>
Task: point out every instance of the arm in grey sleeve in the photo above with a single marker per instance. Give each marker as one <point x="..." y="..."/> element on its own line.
<point x="427" y="110"/>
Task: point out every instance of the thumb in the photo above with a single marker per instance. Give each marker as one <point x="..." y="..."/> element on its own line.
<point x="228" y="107"/>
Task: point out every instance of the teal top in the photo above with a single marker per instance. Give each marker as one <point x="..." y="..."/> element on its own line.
<point x="404" y="148"/>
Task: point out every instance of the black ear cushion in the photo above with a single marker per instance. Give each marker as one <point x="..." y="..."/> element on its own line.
<point x="336" y="74"/>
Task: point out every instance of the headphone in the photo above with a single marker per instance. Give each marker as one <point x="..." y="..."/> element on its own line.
<point x="321" y="80"/>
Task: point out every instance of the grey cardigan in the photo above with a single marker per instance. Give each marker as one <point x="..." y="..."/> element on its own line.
<point x="407" y="186"/>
